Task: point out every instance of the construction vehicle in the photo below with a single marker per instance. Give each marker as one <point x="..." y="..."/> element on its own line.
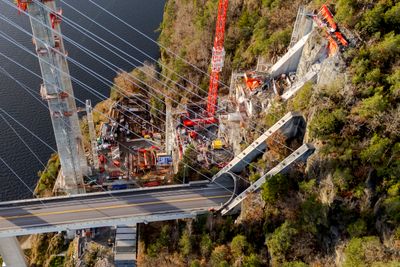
<point x="55" y="18"/>
<point x="256" y="80"/>
<point x="325" y="20"/>
<point x="217" y="144"/>
<point x="143" y="159"/>
<point x="217" y="62"/>
<point x="252" y="81"/>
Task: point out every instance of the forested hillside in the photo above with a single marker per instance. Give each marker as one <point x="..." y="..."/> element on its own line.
<point x="343" y="209"/>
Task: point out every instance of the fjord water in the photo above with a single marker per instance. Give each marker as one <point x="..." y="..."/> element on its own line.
<point x="144" y="15"/>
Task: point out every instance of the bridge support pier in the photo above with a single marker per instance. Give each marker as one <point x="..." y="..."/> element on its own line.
<point x="125" y="246"/>
<point x="11" y="252"/>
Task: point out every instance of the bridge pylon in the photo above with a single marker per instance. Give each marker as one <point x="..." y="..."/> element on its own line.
<point x="57" y="90"/>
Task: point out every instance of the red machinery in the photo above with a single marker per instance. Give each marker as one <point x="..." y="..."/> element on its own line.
<point x="325" y="20"/>
<point x="22" y="5"/>
<point x="253" y="81"/>
<point x="55" y="17"/>
<point x="217" y="62"/>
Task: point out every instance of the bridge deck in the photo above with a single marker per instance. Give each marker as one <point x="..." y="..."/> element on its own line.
<point x="27" y="217"/>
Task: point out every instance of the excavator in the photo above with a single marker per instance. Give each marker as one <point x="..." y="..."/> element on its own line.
<point x="253" y="81"/>
<point x="22" y="5"/>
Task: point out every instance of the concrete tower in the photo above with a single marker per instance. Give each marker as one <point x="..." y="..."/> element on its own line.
<point x="57" y="90"/>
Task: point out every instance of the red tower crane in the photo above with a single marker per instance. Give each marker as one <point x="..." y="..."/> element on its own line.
<point x="217" y="62"/>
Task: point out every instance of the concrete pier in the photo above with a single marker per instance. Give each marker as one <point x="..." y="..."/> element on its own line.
<point x="290" y="61"/>
<point x="125" y="246"/>
<point x="11" y="252"/>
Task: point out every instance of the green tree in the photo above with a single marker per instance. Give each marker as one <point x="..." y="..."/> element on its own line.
<point x="392" y="16"/>
<point x="345" y="12"/>
<point x="205" y="245"/>
<point x="280" y="241"/>
<point x="392" y="203"/>
<point x="239" y="246"/>
<point x="246" y="24"/>
<point x="220" y="255"/>
<point x="313" y="214"/>
<point x="376" y="150"/>
<point x="302" y="99"/>
<point x="372" y="19"/>
<point x="162" y="242"/>
<point x="358" y="228"/>
<point x="394" y="81"/>
<point x="385" y="53"/>
<point x="55" y="261"/>
<point x="372" y="106"/>
<point x="195" y="263"/>
<point x="294" y="264"/>
<point x="253" y="260"/>
<point x="185" y="243"/>
<point x="363" y="251"/>
<point x="275" y="187"/>
<point x="327" y="122"/>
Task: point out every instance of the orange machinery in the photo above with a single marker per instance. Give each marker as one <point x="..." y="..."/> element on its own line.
<point x="325" y="20"/>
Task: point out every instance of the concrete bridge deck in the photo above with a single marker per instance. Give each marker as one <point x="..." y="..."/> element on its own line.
<point x="112" y="208"/>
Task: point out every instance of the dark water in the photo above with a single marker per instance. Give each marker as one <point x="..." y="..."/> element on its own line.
<point x="144" y="15"/>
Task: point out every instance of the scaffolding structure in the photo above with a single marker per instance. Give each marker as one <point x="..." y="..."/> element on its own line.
<point x="92" y="134"/>
<point x="57" y="91"/>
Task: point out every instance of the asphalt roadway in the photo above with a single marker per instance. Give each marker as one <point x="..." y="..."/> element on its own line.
<point x="59" y="211"/>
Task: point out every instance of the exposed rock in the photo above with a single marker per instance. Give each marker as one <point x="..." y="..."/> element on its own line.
<point x="332" y="71"/>
<point x="327" y="190"/>
<point x="314" y="52"/>
<point x="339" y="252"/>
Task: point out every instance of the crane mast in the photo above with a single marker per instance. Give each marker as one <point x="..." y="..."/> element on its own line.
<point x="218" y="56"/>
<point x="217" y="62"/>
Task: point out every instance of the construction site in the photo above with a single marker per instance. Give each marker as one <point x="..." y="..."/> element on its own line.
<point x="129" y="150"/>
<point x="220" y="127"/>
